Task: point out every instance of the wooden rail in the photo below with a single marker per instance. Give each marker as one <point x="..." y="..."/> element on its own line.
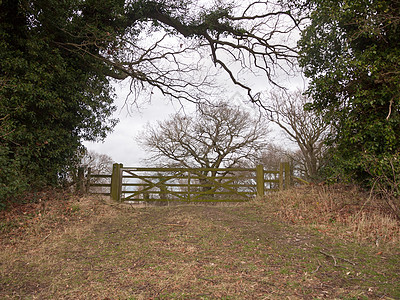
<point x="191" y="184"/>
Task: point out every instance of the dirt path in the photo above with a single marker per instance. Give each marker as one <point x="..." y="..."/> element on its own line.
<point x="193" y="252"/>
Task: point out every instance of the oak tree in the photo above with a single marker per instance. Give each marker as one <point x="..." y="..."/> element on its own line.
<point x="214" y="136"/>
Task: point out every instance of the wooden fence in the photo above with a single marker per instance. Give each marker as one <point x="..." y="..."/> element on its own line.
<point x="188" y="184"/>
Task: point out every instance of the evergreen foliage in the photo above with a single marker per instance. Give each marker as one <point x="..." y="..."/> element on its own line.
<point x="50" y="98"/>
<point x="351" y="53"/>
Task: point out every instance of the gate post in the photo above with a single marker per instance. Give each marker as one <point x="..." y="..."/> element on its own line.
<point x="116" y="182"/>
<point x="260" y="180"/>
<point x="281" y="167"/>
<point x="189" y="190"/>
<point x="287" y="175"/>
<point x="88" y="177"/>
<point x="284" y="175"/>
<point x="79" y="184"/>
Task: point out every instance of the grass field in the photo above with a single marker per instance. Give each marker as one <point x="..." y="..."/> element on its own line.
<point x="89" y="248"/>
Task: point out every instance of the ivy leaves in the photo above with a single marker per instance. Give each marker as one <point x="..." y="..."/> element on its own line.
<point x="351" y="53"/>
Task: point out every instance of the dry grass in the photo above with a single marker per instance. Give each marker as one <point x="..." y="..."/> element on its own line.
<point x="341" y="211"/>
<point x="49" y="213"/>
<point x="91" y="248"/>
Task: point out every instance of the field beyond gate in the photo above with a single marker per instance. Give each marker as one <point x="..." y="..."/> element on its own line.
<point x="191" y="184"/>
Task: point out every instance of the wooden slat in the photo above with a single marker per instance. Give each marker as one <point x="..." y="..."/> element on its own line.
<point x="100" y="184"/>
<point x="198" y="200"/>
<point x="272" y="180"/>
<point x="191" y="184"/>
<point x="99" y="176"/>
<point x="184" y="192"/>
<point x="188" y="169"/>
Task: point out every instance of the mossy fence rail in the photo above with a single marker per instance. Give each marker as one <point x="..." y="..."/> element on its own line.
<point x="188" y="184"/>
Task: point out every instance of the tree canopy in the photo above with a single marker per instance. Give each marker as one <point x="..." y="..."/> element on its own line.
<point x="303" y="127"/>
<point x="351" y="53"/>
<point x="216" y="136"/>
<point x="57" y="60"/>
<point x="51" y="98"/>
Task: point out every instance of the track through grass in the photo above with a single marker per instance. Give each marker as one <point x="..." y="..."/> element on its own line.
<point x="190" y="252"/>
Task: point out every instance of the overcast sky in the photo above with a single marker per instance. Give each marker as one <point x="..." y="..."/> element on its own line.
<point x="121" y="144"/>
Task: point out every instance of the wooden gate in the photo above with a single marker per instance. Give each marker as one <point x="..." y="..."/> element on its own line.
<point x="194" y="184"/>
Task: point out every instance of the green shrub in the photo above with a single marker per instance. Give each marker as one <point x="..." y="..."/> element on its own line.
<point x="12" y="182"/>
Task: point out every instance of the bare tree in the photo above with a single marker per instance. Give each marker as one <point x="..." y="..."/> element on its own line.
<point x="213" y="137"/>
<point x="272" y="155"/>
<point x="165" y="44"/>
<point x="306" y="129"/>
<point x="98" y="163"/>
<point x="218" y="136"/>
